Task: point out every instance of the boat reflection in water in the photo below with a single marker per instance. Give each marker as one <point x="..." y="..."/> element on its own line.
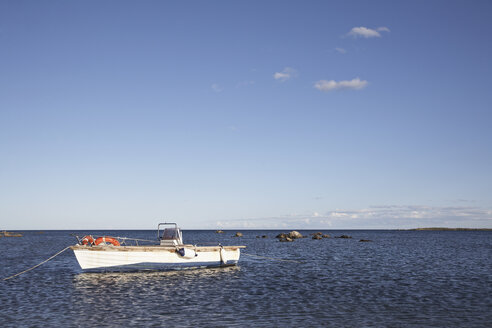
<point x="110" y="281"/>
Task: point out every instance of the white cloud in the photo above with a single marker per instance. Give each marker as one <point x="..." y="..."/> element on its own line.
<point x="383" y="29"/>
<point x="365" y="32"/>
<point x="415" y="212"/>
<point x="285" y="75"/>
<point x="376" y="217"/>
<point x="326" y="86"/>
<point x="217" y="88"/>
<point x="341" y="50"/>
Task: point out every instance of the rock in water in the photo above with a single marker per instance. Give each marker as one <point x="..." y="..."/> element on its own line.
<point x="281" y="235"/>
<point x="219" y="231"/>
<point x="326" y="236"/>
<point x="344" y="237"/>
<point x="238" y="234"/>
<point x="294" y="234"/>
<point x="365" y="240"/>
<point x="10" y="234"/>
<point x="285" y="239"/>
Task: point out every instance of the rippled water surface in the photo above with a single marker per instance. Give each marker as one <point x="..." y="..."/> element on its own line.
<point x="400" y="279"/>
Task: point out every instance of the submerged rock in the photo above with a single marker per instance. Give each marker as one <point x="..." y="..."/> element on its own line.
<point x="264" y="236"/>
<point x="286" y="239"/>
<point x="317" y="237"/>
<point x="344" y="237"/>
<point x="365" y="240"/>
<point x="325" y="236"/>
<point x="219" y="231"/>
<point x="238" y="234"/>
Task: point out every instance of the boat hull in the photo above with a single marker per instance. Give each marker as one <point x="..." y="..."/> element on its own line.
<point x="141" y="258"/>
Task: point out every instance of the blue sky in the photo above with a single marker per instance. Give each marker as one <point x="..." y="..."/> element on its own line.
<point x="253" y="114"/>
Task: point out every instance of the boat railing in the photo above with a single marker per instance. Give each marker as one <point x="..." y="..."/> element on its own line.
<point x="135" y="240"/>
<point x="124" y="241"/>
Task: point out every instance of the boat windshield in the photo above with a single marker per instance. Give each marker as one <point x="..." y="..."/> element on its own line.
<point x="170" y="233"/>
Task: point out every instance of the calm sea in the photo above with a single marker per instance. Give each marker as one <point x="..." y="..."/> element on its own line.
<point x="400" y="279"/>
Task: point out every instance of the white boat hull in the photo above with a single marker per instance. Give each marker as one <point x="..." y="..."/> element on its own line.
<point x="131" y="258"/>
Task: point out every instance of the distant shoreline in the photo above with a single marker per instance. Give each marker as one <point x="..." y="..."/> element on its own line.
<point x="450" y="229"/>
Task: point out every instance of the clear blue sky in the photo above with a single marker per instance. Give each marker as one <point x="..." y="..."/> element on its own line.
<point x="259" y="114"/>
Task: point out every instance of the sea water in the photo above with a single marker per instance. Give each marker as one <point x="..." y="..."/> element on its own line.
<point x="399" y="279"/>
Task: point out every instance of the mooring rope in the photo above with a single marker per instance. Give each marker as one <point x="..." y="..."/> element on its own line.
<point x="34" y="267"/>
<point x="52" y="257"/>
<point x="271" y="258"/>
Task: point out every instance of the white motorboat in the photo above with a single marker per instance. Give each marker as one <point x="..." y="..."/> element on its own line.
<point x="107" y="253"/>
